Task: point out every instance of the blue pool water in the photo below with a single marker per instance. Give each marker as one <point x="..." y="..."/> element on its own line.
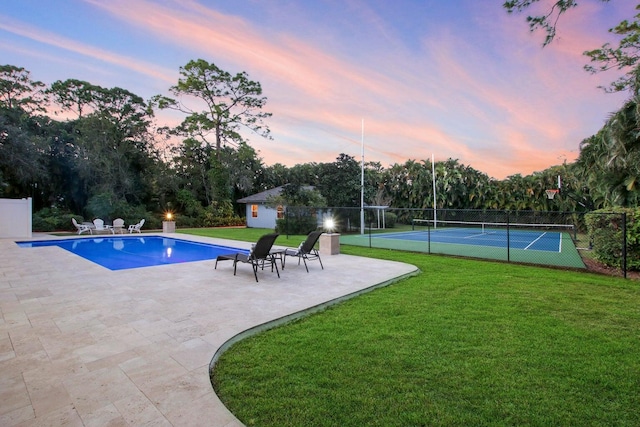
<point x="121" y="253"/>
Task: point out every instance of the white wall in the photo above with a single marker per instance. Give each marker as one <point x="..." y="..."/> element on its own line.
<point x="266" y="217"/>
<point x="15" y="218"/>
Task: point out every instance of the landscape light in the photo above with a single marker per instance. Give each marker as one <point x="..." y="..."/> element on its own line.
<point x="329" y="225"/>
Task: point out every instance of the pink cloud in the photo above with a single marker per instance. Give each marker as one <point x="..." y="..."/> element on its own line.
<point x="302" y="67"/>
<point x="321" y="81"/>
<point x="77" y="47"/>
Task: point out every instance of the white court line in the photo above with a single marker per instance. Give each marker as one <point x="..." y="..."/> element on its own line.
<point x="560" y="243"/>
<point x="473" y="236"/>
<point x="539" y="237"/>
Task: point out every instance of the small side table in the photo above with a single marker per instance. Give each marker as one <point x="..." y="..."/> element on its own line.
<point x="278" y="254"/>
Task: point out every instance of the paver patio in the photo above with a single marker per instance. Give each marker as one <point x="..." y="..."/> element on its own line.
<point x="81" y="345"/>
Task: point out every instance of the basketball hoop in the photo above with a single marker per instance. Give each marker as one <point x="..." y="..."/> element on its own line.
<point x="551" y="193"/>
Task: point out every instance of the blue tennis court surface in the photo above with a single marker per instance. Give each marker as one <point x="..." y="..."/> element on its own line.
<point x="120" y="253"/>
<point x="549" y="241"/>
<point x="533" y="243"/>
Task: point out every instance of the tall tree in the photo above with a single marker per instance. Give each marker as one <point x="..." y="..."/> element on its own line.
<point x="625" y="57"/>
<point x="548" y="20"/>
<point x="272" y="176"/>
<point x="73" y="95"/>
<point x="108" y="146"/>
<point x="231" y="102"/>
<point x="192" y="163"/>
<point x="243" y="167"/>
<point x="22" y="133"/>
<point x="340" y="182"/>
<point x="611" y="158"/>
<point x="22" y="149"/>
<point x="18" y="90"/>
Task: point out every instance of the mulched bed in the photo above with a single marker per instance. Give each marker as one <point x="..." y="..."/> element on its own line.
<point x="597" y="267"/>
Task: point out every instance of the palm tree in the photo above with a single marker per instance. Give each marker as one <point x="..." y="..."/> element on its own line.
<point x="611" y="159"/>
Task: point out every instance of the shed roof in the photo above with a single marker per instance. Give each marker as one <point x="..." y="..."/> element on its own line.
<point x="263" y="196"/>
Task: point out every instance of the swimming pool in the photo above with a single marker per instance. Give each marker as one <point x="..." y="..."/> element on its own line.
<point x="121" y="253"/>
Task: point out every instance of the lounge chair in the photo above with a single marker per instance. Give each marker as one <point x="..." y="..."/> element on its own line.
<point x="81" y="227"/>
<point x="99" y="226"/>
<point x="305" y="252"/>
<point x="259" y="254"/>
<point x="136" y="227"/>
<point x="118" y="226"/>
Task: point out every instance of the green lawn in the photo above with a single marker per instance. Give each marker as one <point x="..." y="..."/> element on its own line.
<point x="464" y="343"/>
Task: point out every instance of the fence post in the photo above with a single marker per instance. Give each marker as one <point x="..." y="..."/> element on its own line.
<point x="624" y="244"/>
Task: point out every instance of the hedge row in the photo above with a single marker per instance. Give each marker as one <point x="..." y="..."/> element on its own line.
<point x="605" y="229"/>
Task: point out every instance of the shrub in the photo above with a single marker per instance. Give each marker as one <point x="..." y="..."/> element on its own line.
<point x="53" y="219"/>
<point x="188" y="221"/>
<point x="605" y="234"/>
<point x="223" y="221"/>
<point x="189" y="205"/>
<point x="296" y="224"/>
<point x="390" y="219"/>
<point x="151" y="221"/>
<point x="221" y="214"/>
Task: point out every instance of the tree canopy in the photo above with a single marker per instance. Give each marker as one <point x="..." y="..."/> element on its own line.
<point x="609" y="160"/>
<point x="19" y="91"/>
<point x="231" y="102"/>
<point x="103" y="160"/>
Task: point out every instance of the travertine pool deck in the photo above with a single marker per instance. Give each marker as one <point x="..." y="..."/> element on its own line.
<point x="81" y="345"/>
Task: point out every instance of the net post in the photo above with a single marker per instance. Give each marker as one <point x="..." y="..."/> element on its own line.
<point x="508" y="240"/>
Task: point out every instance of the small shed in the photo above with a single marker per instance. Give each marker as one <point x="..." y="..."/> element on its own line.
<point x="259" y="215"/>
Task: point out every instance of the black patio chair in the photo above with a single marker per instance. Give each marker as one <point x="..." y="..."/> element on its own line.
<point x="259" y="254"/>
<point x="306" y="251"/>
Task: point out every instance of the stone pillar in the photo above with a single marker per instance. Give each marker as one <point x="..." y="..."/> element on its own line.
<point x="329" y="243"/>
<point x="168" y="226"/>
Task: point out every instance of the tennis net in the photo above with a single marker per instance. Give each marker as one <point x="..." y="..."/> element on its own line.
<point x="481" y="227"/>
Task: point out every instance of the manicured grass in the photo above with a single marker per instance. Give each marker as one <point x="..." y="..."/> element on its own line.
<point x="464" y="343"/>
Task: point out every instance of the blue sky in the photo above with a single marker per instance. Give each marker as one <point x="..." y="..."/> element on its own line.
<point x="460" y="79"/>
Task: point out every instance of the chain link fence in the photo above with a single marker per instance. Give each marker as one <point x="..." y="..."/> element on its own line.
<point x="561" y="239"/>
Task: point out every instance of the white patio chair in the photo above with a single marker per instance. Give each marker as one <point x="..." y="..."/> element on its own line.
<point x="80" y="227"/>
<point x="136" y="227"/>
<point x="99" y="226"/>
<point x="118" y="226"/>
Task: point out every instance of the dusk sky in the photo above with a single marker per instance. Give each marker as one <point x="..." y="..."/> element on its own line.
<point x="460" y="79"/>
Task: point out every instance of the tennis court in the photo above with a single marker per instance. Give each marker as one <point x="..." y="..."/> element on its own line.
<point x="546" y="244"/>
